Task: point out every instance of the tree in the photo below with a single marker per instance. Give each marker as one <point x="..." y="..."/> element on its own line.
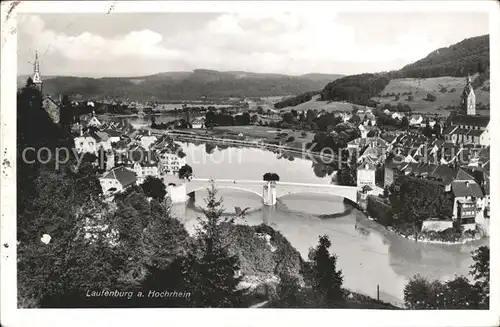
<point x="213" y="272"/>
<point x="355" y="119"/>
<point x="289" y="291"/>
<point x="404" y="122"/>
<point x="436" y="130"/>
<point x="348" y="172"/>
<point x="289" y="118"/>
<point x="480" y="272"/>
<point x="66" y="113"/>
<point x="323" y="275"/>
<point x="419" y="293"/>
<point x="154" y="188"/>
<point x="163" y="240"/>
<point x="458" y="293"/>
<point x="185" y="171"/>
<point x="271" y="177"/>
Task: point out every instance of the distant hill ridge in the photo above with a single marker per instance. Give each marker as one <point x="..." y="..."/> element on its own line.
<point x="185" y="85"/>
<point x="470" y="56"/>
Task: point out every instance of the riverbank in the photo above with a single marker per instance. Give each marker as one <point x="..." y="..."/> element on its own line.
<point x="437" y="238"/>
<point x="290" y="138"/>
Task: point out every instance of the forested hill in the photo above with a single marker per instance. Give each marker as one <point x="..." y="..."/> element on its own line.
<point x="187" y="85"/>
<point x="469" y="56"/>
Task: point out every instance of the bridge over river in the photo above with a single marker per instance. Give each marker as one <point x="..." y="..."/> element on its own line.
<point x="270" y="191"/>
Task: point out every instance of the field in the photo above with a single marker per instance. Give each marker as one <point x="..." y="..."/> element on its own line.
<point x="420" y="88"/>
<point x="316" y="104"/>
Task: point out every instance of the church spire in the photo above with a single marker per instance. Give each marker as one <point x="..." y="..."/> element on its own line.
<point x="37" y="79"/>
<point x="468" y="98"/>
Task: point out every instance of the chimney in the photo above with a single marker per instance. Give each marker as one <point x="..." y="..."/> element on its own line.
<point x="467" y="184"/>
<point x="81" y="131"/>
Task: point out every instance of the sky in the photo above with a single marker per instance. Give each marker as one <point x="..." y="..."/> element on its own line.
<point x="138" y="44"/>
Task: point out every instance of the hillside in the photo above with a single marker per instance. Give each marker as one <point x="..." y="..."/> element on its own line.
<point x="469" y="56"/>
<point x="443" y="69"/>
<point x="186" y="85"/>
<point x="447" y="91"/>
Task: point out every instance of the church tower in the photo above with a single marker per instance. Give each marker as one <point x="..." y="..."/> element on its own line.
<point x="37" y="78"/>
<point x="469" y="99"/>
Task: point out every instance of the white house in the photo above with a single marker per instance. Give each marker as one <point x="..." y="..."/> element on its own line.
<point x="169" y="162"/>
<point x="144" y="163"/>
<point x="387" y="112"/>
<point x="85" y="143"/>
<point x="117" y="180"/>
<point x="397" y="115"/>
<point x="143" y="170"/>
<point x="198" y="123"/>
<point x="416" y="120"/>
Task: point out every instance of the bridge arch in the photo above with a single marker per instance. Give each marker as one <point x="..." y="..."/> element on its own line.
<point x="352" y="198"/>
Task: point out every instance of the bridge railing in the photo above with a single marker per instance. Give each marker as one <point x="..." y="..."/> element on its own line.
<point x="228" y="181"/>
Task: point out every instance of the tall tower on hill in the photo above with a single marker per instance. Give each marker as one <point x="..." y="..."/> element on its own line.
<point x="468" y="99"/>
<point x="37" y="78"/>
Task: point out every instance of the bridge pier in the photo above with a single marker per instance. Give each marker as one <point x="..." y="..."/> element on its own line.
<point x="177" y="193"/>
<point x="269" y="193"/>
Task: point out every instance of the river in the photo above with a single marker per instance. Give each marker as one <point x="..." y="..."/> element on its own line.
<point x="368" y="254"/>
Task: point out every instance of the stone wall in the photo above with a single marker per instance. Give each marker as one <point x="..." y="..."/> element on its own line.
<point x="436" y="225"/>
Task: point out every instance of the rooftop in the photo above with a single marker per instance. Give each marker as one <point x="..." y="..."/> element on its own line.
<point x="123" y="175"/>
<point x="469" y="120"/>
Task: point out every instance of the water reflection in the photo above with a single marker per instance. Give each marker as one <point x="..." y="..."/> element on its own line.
<point x="368" y="254"/>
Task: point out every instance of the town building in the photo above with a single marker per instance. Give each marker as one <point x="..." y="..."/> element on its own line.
<point x="365" y="175"/>
<point x="397" y="115"/>
<point x="143" y="162"/>
<point x="146" y="140"/>
<point x="198" y="123"/>
<point x="170" y="162"/>
<point x="416" y="120"/>
<point x="113" y="135"/>
<point x="466" y="127"/>
<point x="94" y="122"/>
<point x="86" y="143"/>
<point x="117" y="180"/>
